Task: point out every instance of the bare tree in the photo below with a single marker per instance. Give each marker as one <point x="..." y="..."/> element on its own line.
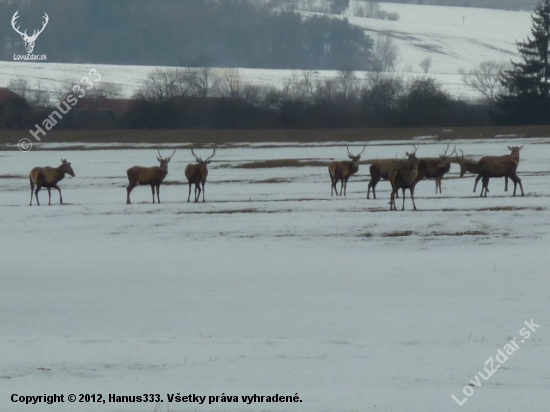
<point x="229" y="83"/>
<point x="347" y="81"/>
<point x="385" y="54"/>
<point x="485" y="78"/>
<point x="426" y="64"/>
<point x="372" y="9"/>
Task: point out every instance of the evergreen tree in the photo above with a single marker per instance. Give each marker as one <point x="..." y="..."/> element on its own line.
<point x="527" y="98"/>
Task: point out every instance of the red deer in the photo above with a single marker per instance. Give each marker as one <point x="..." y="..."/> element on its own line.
<point x="381" y="169"/>
<point x="436" y="168"/>
<point x="48" y="177"/>
<point x="492" y="166"/>
<point x="196" y="174"/>
<point x="342" y="171"/>
<point x="406" y="177"/>
<point x="152" y="176"/>
<point x="469" y="166"/>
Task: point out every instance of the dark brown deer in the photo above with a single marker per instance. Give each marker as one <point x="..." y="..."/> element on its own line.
<point x="152" y="176"/>
<point x="381" y="169"/>
<point x="469" y="167"/>
<point x="437" y="168"/>
<point x="492" y="166"/>
<point x="406" y="177"/>
<point x="196" y="174"/>
<point x="342" y="171"/>
<point x="48" y="177"/>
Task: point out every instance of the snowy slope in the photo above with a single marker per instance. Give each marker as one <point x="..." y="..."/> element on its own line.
<point x="454" y="37"/>
<point x="273" y="286"/>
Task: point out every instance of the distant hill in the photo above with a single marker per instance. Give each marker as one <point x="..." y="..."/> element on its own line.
<point x="489" y="4"/>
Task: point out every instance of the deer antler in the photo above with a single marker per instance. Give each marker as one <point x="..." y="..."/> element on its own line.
<point x="364" y="147"/>
<point x="212" y="155"/>
<point x="35" y="32"/>
<point x="13" y="22"/>
<point x="196" y="157"/>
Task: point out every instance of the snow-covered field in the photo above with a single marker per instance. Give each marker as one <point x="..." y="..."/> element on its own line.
<point x="273" y="286"/>
<point x="453" y="37"/>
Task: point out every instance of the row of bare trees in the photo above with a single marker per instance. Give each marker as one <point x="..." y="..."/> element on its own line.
<point x="406" y="173"/>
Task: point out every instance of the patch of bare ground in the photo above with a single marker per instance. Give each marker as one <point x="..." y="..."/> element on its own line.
<point x="272" y="163"/>
<point x="398" y="233"/>
<point x="12" y="176"/>
<point x="466" y="233"/>
<point x="199" y="137"/>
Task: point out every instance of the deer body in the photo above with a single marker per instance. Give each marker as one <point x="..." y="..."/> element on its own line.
<point x="381" y="169"/>
<point x="48" y="177"/>
<point x="514" y="154"/>
<point x="406" y="177"/>
<point x="196" y="174"/>
<point x="342" y="171"/>
<point x="493" y="166"/>
<point x="152" y="176"/>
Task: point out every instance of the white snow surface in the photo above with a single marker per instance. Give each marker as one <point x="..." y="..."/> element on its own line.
<point x="272" y="286"/>
<point x="454" y="37"/>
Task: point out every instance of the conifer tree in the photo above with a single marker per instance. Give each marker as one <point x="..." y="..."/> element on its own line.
<point x="526" y="99"/>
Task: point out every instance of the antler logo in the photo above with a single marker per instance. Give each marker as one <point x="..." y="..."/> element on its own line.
<point x="29" y="40"/>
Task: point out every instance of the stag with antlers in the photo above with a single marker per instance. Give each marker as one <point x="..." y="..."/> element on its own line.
<point x="342" y="171"/>
<point x="48" y="177"/>
<point x="152" y="176"/>
<point x="437" y="168"/>
<point x="29" y="40"/>
<point x="406" y="177"/>
<point x="491" y="166"/>
<point x="196" y="174"/>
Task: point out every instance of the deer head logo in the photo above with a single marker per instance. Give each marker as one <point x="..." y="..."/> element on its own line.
<point x="29" y="40"/>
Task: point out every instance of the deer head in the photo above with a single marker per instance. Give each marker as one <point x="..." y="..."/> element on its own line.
<point x="66" y="167"/>
<point x="29" y="40"/>
<point x="355" y="158"/>
<point x="199" y="160"/>
<point x="165" y="160"/>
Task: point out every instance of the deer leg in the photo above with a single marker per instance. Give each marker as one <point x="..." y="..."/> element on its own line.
<point x="153" y="192"/>
<point x="403" y="191"/>
<point x="506" y="184"/>
<point x="517" y="180"/>
<point x="477" y="180"/>
<point x="36" y="194"/>
<point x="203" y="192"/>
<point x="60" y="196"/>
<point x="345" y="181"/>
<point x="197" y="192"/>
<point x="49" y="196"/>
<point x="158" y="193"/>
<point x="189" y="195"/>
<point x="392" y="200"/>
<point x="372" y="184"/>
<point x="485" y="186"/>
<point x="32" y="190"/>
<point x="412" y="197"/>
<point x="128" y="191"/>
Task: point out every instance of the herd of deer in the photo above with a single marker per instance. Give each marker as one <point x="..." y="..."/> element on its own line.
<point x="402" y="173"/>
<point x="196" y="174"/>
<point x="406" y="173"/>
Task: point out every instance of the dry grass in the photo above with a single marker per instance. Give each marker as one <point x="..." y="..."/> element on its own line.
<point x="210" y="136"/>
<point x="267" y="164"/>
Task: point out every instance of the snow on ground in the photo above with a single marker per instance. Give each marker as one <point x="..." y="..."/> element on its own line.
<point x="273" y="286"/>
<point x="454" y="37"/>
